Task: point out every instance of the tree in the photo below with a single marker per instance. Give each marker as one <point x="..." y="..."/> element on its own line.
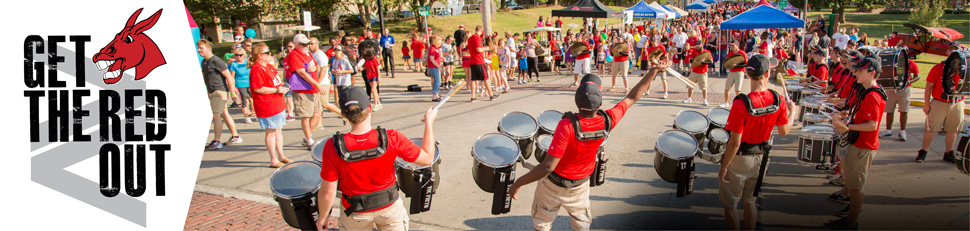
<point x="928" y="12"/>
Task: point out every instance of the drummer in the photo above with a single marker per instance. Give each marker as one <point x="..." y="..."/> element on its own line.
<point x="749" y="137"/>
<point x="942" y="113"/>
<point x="645" y="65"/>
<point x="368" y="176"/>
<point x="698" y="74"/>
<point x="820" y="76"/>
<point x="900" y="98"/>
<point x="735" y="75"/>
<point x="570" y="161"/>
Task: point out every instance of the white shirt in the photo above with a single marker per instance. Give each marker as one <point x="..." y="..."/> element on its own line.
<point x="342" y="65"/>
<point x="680" y="39"/>
<point x="323" y="61"/>
<point x="627" y="36"/>
<point x="841" y="40"/>
<point x="643" y="40"/>
<point x="511" y="44"/>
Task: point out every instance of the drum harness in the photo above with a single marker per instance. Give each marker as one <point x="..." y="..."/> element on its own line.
<point x="763" y="147"/>
<point x="949" y="85"/>
<point x="585" y="136"/>
<point x="851" y="137"/>
<point x="373" y="200"/>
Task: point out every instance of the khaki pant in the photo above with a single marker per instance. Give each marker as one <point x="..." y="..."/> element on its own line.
<point x="855" y="167"/>
<point x="621" y="68"/>
<point x="700" y="79"/>
<point x="743" y="175"/>
<point x="945" y="116"/>
<point x="734" y="80"/>
<point x="394" y="217"/>
<point x="549" y="197"/>
<point x="217" y="102"/>
<point x="899" y="98"/>
<point x="304" y="105"/>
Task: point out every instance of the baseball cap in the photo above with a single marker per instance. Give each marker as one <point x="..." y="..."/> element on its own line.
<point x="588" y="95"/>
<point x="758" y="64"/>
<point x="868" y="63"/>
<point x="353" y="95"/>
<point x="301" y="39"/>
<point x="461" y="26"/>
<point x="818" y="50"/>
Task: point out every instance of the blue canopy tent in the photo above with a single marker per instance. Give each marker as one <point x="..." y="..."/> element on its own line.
<point x="762" y="17"/>
<point x="676" y="14"/>
<point x="643" y="10"/>
<point x="710" y="1"/>
<point x="697" y="6"/>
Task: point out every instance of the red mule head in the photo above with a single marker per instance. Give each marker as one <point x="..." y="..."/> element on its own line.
<point x="130" y="48"/>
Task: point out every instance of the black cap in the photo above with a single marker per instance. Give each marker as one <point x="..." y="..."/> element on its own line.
<point x="353" y="95"/>
<point x="758" y="65"/>
<point x="588" y="95"/>
<point x="868" y="63"/>
<point x="818" y="50"/>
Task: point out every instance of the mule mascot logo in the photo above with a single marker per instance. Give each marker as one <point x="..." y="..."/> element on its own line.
<point x="131" y="48"/>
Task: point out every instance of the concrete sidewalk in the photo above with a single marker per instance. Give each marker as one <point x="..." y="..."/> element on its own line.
<point x="901" y="194"/>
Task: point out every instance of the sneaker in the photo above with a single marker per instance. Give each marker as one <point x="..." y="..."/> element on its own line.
<point x="214" y="145"/>
<point x="665" y="96"/>
<point x="646" y="92"/>
<point x="838" y="182"/>
<point x="844" y="212"/>
<point x="921" y="156"/>
<point x="837" y="197"/>
<point x="724" y="105"/>
<point x="538" y="80"/>
<point x="235" y="140"/>
<point x="494" y="97"/>
<point x="474" y="100"/>
<point x="950" y="157"/>
<point x="705" y="103"/>
<point x="902" y="135"/>
<point x="308" y="143"/>
<point x="833" y="176"/>
<point x="378" y="107"/>
<point x="249" y="120"/>
<point x="687" y="100"/>
<point x="305" y="143"/>
<point x="574" y="84"/>
<point x="886" y="133"/>
<point x="842" y="224"/>
<point x="290" y="118"/>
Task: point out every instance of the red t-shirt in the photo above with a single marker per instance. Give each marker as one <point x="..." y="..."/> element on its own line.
<point x="763" y="48"/>
<point x="433" y="53"/>
<point x="822" y="74"/>
<point x="584" y="56"/>
<point x="740" y="52"/>
<point x="893" y="40"/>
<point x="870" y="109"/>
<point x="475" y="42"/>
<point x="846" y="88"/>
<point x="621" y="58"/>
<point x="702" y="69"/>
<point x="578" y="158"/>
<point x="417" y="48"/>
<point x="265" y="105"/>
<point x="366" y="176"/>
<point x="753" y="129"/>
<point x="371" y="66"/>
<point x="693" y="41"/>
<point x="936" y="76"/>
<point x="406" y="51"/>
<point x="913" y="69"/>
<point x="298" y="60"/>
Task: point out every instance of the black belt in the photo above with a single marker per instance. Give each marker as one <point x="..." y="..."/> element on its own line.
<point x="753" y="149"/>
<point x="565" y="183"/>
<point x="370" y="201"/>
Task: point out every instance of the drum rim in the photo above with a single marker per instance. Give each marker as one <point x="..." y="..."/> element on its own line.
<point x="538" y="120"/>
<point x="479" y="160"/>
<point x="709" y="138"/>
<point x="273" y="176"/>
<point x="656" y="145"/>
<point x="514" y="137"/>
<point x="437" y="157"/>
<point x="707" y="124"/>
<point x="313" y="149"/>
<point x="793" y="87"/>
<point x="815" y="136"/>
<point x="717" y="108"/>
<point x="808" y="115"/>
<point x="537" y="143"/>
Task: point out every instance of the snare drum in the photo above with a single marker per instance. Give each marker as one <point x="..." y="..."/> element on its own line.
<point x="814" y="118"/>
<point x="816" y="144"/>
<point x="809" y="107"/>
<point x="419" y="182"/>
<point x="522" y="128"/>
<point x="494" y="168"/>
<point x="791" y="82"/>
<point x="694" y="123"/>
<point x="294" y="188"/>
<point x="542" y="146"/>
<point x="718" y="117"/>
<point x="794" y="92"/>
<point x="808" y="91"/>
<point x="674" y="159"/>
<point x="548" y="120"/>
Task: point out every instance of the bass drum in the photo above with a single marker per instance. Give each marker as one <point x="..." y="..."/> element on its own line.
<point x="674" y="159"/>
<point x="957" y="65"/>
<point x="895" y="68"/>
<point x="294" y="188"/>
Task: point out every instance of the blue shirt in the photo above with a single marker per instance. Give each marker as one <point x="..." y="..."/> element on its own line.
<point x="387" y="39"/>
<point x="242" y="73"/>
<point x="854" y="38"/>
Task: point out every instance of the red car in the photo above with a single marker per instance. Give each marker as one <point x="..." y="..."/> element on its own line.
<point x="933" y="40"/>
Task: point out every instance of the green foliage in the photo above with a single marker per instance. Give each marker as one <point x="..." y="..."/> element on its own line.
<point x="927" y="12"/>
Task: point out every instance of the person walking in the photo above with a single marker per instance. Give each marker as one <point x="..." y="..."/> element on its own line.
<point x="240" y="71"/>
<point x="301" y="67"/>
<point x="218" y="82"/>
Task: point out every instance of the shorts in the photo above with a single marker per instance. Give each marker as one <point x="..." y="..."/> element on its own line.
<point x="273" y="122"/>
<point x="743" y="176"/>
<point x="700" y="79"/>
<point x="217" y="101"/>
<point x="477" y="72"/>
<point x="734" y="80"/>
<point x="662" y="74"/>
<point x="304" y="105"/>
<point x="244" y="95"/>
<point x="406" y="57"/>
<point x="948" y="116"/>
<point x="855" y="166"/>
<point x="600" y="62"/>
<point x="582" y="67"/>
<point x="416" y="60"/>
<point x="898" y="98"/>
<point x="620" y="68"/>
<point x="393" y="217"/>
<point x="644" y="65"/>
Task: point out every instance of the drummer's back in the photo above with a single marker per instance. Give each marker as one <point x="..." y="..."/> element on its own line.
<point x="356" y="177"/>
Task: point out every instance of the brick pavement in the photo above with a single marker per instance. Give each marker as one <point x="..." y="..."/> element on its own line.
<point x="214" y="212"/>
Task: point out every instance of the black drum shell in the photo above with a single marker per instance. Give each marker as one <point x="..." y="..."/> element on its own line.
<point x="405" y="176"/>
<point x="485" y="176"/>
<point x="666" y="167"/>
<point x="525" y="142"/>
<point x="296" y="210"/>
<point x="819" y="152"/>
<point x="540" y="154"/>
<point x="715" y="146"/>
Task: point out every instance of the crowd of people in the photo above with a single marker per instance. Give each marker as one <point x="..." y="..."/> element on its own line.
<point x="843" y="64"/>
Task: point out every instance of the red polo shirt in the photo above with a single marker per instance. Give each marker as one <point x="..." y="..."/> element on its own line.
<point x="578" y="158"/>
<point x="753" y="129"/>
<point x="366" y="176"/>
<point x="870" y="109"/>
<point x="475" y="42"/>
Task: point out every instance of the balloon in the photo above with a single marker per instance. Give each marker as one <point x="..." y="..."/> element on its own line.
<point x="250" y="33"/>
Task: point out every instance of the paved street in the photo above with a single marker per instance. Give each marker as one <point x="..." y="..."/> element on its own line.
<point x="900" y="193"/>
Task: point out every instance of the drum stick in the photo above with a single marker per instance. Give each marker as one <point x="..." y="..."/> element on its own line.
<point x="784" y="87"/>
<point x="678" y="76"/>
<point x="450" y="93"/>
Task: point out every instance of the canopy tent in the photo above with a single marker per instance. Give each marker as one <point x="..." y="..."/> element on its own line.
<point x="196" y="33"/>
<point x="762" y="17"/>
<point x="762" y="2"/>
<point x="643" y="10"/>
<point x="791" y="9"/>
<point x="587" y="9"/>
<point x="679" y="11"/>
<point x="670" y="15"/>
<point x="697" y="5"/>
<point x="710" y="1"/>
<point x="676" y="13"/>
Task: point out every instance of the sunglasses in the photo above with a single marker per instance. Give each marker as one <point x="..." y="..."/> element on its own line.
<point x="265" y="53"/>
<point x="240" y="54"/>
